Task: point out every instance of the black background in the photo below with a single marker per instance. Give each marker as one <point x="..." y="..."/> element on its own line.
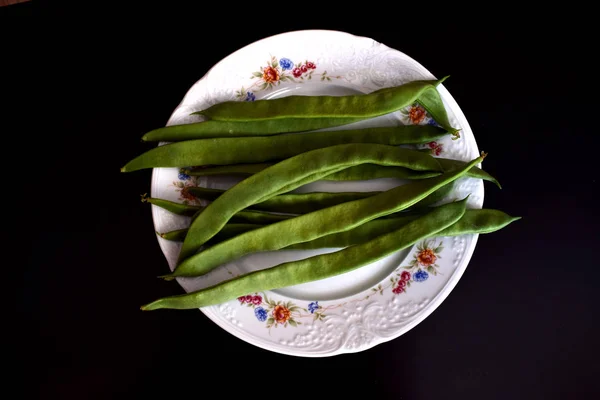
<point x="520" y="323"/>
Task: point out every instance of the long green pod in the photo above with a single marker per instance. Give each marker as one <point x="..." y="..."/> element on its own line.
<point x="228" y="170"/>
<point x="295" y="171"/>
<point x="473" y="221"/>
<point x="225" y="151"/>
<point x="299" y="203"/>
<point x="228" y="231"/>
<point x="357" y="173"/>
<point x="319" y="223"/>
<point x="483" y="221"/>
<point x="310" y="107"/>
<point x="431" y="101"/>
<point x="318" y="267"/>
<point x="219" y="129"/>
<point x="174" y="207"/>
<point x="244" y="217"/>
<point x="475" y="172"/>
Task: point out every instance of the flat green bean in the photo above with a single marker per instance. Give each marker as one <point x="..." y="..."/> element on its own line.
<point x="292" y="173"/>
<point x="298" y="203"/>
<point x="357" y="173"/>
<point x="319" y="223"/>
<point x="321" y="266"/>
<point x="225" y="151"/>
<point x="176" y="208"/>
<point x="219" y="129"/>
<point x="247" y="216"/>
<point x="228" y="231"/>
<point x="354" y="106"/>
<point x="473" y="221"/>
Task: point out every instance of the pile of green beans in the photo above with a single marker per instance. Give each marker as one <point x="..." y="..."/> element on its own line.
<point x="272" y="146"/>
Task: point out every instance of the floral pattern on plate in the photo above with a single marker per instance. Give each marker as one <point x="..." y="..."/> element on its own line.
<point x="281" y="70"/>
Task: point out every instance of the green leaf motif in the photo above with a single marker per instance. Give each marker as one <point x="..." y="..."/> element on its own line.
<point x="292" y="322"/>
<point x="270" y="321"/>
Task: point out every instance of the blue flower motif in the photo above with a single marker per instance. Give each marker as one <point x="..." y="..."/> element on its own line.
<point x="314" y="306"/>
<point x="261" y="314"/>
<point x="432" y="122"/>
<point x="286" y="63"/>
<point x="420" y="276"/>
<point x="183" y="176"/>
<point x="250" y="96"/>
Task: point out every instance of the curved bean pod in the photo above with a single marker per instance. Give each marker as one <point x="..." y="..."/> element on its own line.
<point x="228" y="231"/>
<point x="365" y="106"/>
<point x="299" y="203"/>
<point x="244" y="217"/>
<point x="225" y="151"/>
<point x="318" y="267"/>
<point x="219" y="129"/>
<point x="357" y="173"/>
<point x="473" y="221"/>
<point x="311" y="226"/>
<point x="292" y="173"/>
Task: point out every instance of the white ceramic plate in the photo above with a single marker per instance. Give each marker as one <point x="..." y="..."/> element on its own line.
<point x="357" y="310"/>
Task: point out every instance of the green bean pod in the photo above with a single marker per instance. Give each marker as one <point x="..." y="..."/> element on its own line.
<point x="357" y="173"/>
<point x="228" y="170"/>
<point x="176" y="208"/>
<point x="292" y="173"/>
<point x="228" y="231"/>
<point x="220" y="129"/>
<point x="447" y="164"/>
<point x="226" y="151"/>
<point x="243" y="217"/>
<point x="473" y="221"/>
<point x="319" y="223"/>
<point x="364" y="106"/>
<point x="318" y="267"/>
<point x="295" y="203"/>
<point x="431" y="101"/>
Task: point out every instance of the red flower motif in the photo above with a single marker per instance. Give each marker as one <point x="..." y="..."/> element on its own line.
<point x="248" y="298"/>
<point x="304" y="68"/>
<point x="185" y="194"/>
<point x="436" y="148"/>
<point x="256" y="300"/>
<point x="402" y="284"/>
<point x="416" y="114"/>
<point x="311" y="65"/>
<point x="426" y="257"/>
<point x="270" y="75"/>
<point x="242" y="299"/>
<point x="398" y="290"/>
<point x="281" y="314"/>
<point x="405" y="276"/>
<point x="297" y="72"/>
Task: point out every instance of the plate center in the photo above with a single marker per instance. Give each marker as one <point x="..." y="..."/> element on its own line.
<point x="346" y="284"/>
